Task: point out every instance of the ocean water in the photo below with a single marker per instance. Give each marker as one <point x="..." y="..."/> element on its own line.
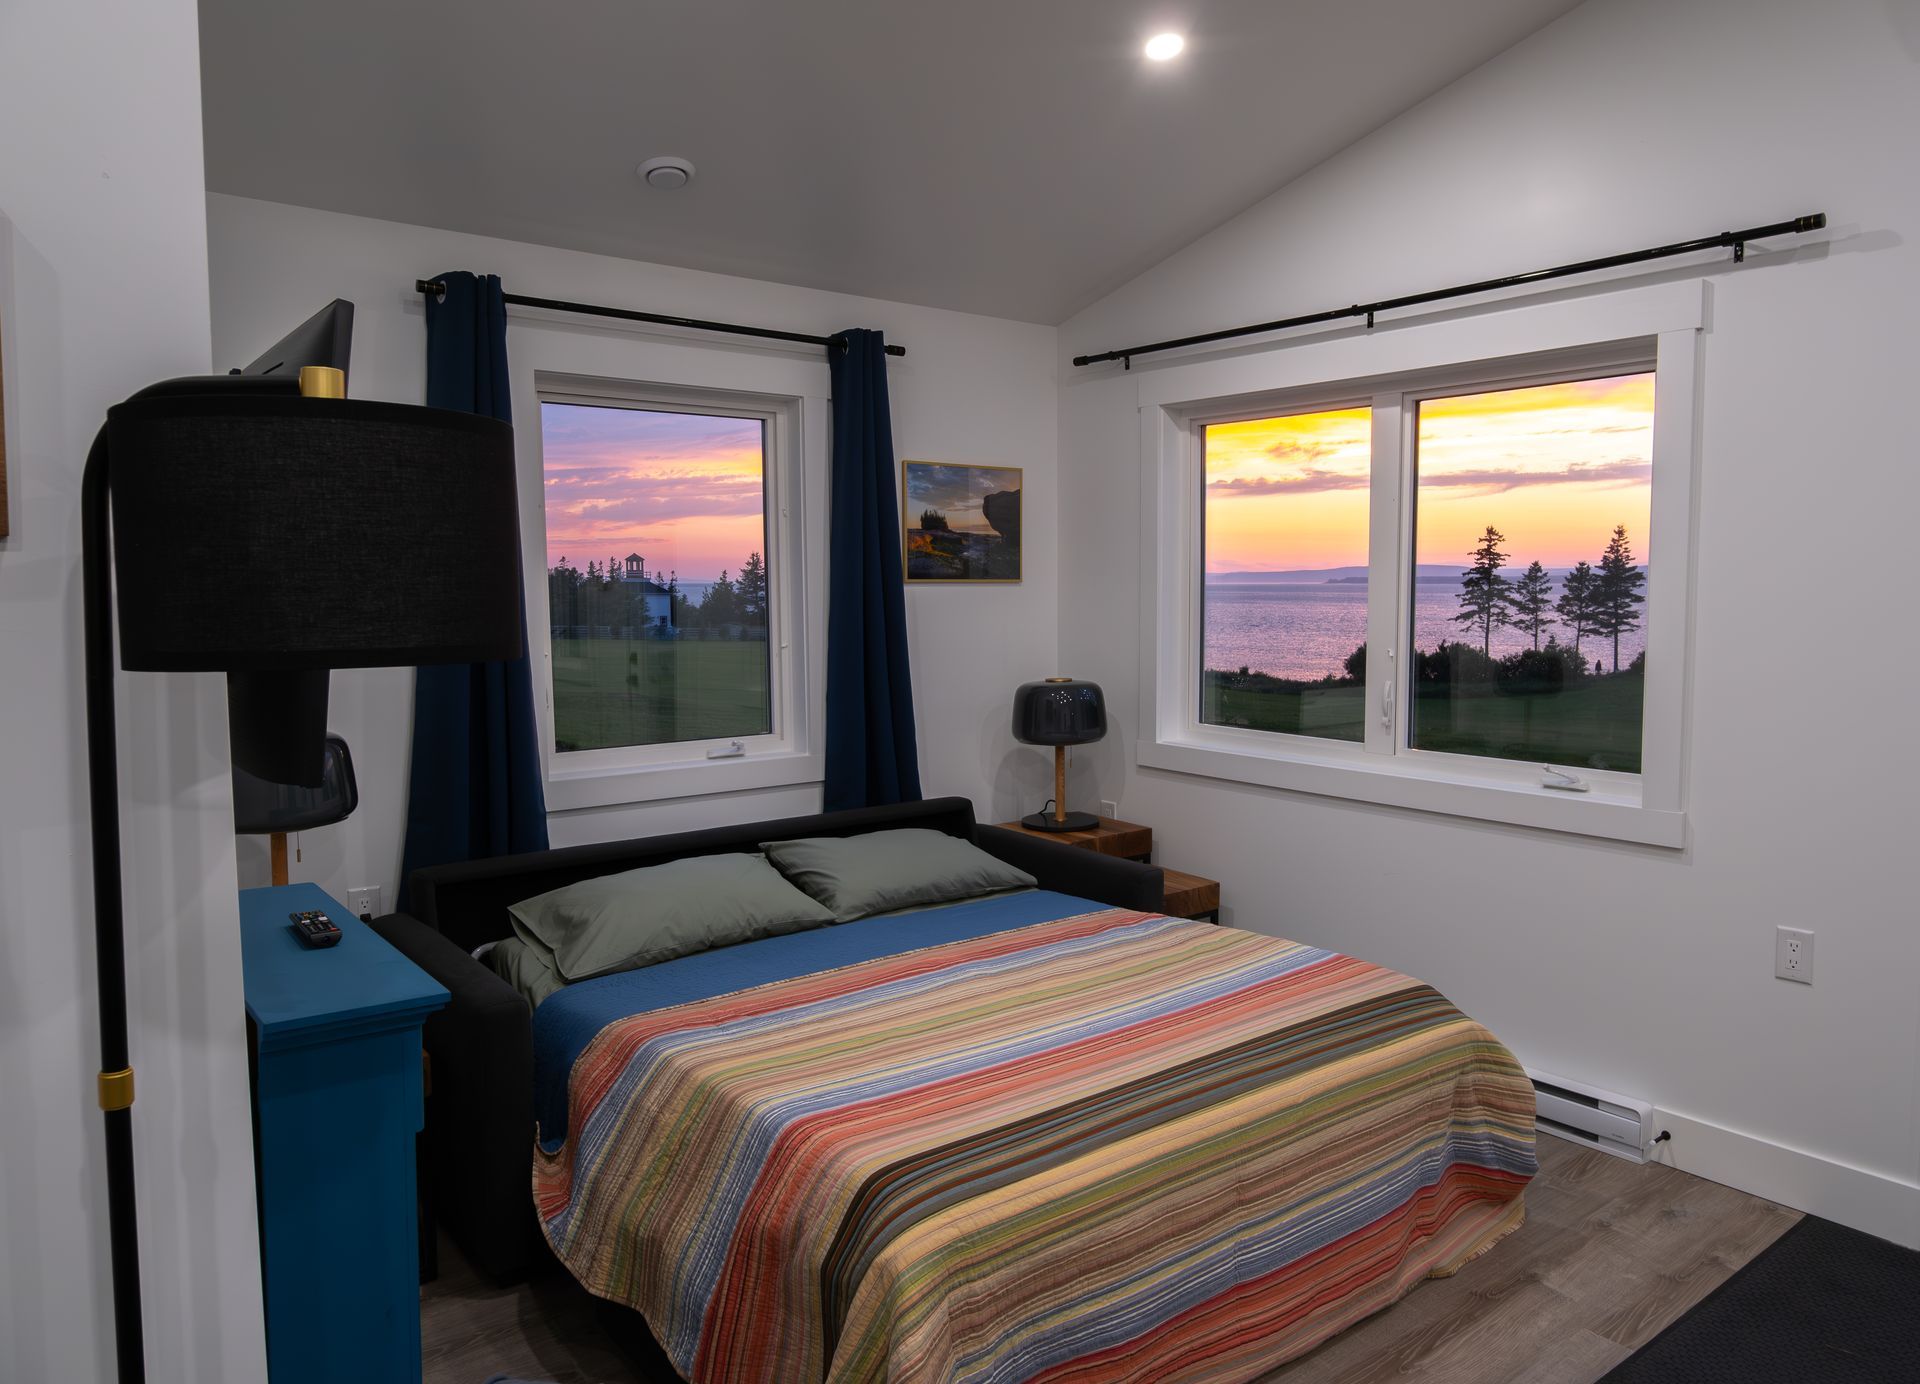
<point x="1306" y="630"/>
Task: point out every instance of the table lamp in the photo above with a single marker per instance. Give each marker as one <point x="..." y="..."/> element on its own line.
<point x="270" y="527"/>
<point x="1059" y="712"/>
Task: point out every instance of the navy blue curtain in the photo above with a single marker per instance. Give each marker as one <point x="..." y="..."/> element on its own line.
<point x="871" y="754"/>
<point x="475" y="787"/>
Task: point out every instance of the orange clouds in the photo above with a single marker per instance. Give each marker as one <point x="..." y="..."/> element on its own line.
<point x="1554" y="467"/>
<point x="1288" y="492"/>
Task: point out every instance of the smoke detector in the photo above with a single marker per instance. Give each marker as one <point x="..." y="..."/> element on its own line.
<point x="667" y="173"/>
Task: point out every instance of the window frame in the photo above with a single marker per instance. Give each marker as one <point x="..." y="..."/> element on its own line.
<point x="1491" y="348"/>
<point x="794" y="487"/>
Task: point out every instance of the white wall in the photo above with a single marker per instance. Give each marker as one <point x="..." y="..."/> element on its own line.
<point x="1628" y="122"/>
<point x="970" y="389"/>
<point x="103" y="289"/>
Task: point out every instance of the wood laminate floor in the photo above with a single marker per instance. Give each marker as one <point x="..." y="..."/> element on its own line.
<point x="1611" y="1254"/>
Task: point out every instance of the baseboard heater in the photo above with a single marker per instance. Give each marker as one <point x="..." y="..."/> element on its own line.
<point x="1584" y="1114"/>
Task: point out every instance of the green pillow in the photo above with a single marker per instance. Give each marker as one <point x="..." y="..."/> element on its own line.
<point x="881" y="871"/>
<point x="640" y="917"/>
<point x="526" y="966"/>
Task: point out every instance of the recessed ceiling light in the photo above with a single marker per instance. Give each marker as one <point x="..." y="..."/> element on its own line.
<point x="667" y="172"/>
<point x="1161" y="47"/>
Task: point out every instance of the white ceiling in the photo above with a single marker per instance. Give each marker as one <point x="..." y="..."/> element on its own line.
<point x="1012" y="157"/>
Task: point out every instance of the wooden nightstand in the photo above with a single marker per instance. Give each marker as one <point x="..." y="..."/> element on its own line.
<point x="1187" y="896"/>
<point x="1128" y="840"/>
<point x="1191" y="896"/>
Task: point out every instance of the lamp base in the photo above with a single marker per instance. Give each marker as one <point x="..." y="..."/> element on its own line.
<point x="1073" y="821"/>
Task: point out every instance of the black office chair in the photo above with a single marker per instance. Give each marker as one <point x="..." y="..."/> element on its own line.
<point x="264" y="808"/>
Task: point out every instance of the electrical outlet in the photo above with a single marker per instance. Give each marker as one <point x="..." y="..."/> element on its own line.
<point x="365" y="901"/>
<point x="1793" y="954"/>
<point x="1108" y="809"/>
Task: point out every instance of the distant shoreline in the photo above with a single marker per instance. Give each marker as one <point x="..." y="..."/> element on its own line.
<point x="1426" y="573"/>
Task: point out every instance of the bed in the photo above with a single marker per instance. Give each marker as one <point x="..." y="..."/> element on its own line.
<point x="1049" y="1134"/>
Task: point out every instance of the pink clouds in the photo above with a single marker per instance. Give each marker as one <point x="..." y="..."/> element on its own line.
<point x="684" y="490"/>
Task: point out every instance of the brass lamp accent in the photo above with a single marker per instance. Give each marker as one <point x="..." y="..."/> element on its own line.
<point x="116" y="1089"/>
<point x="1059" y="711"/>
<point x="322" y="382"/>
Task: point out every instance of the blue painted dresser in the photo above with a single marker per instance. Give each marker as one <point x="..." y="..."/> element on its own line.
<point x="337" y="1103"/>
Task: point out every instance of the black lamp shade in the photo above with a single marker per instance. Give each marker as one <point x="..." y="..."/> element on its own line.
<point x="1059" y="711"/>
<point x="262" y="533"/>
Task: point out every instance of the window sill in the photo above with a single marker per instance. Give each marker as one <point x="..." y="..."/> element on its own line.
<point x="569" y="789"/>
<point x="1609" y="811"/>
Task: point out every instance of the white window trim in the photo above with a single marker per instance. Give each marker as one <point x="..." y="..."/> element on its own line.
<point x="792" y="394"/>
<point x="1663" y="321"/>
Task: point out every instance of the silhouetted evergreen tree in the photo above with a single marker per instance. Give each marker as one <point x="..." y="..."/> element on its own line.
<point x="1575" y="606"/>
<point x="750" y="592"/>
<point x="1616" y="595"/>
<point x="563" y="593"/>
<point x="721" y="605"/>
<point x="1486" y="597"/>
<point x="1532" y="599"/>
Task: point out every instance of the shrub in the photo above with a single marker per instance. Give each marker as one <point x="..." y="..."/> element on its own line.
<point x="1532" y="670"/>
<point x="1452" y="663"/>
<point x="1573" y="661"/>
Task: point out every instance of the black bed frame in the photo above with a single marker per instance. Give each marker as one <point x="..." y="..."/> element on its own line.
<point x="478" y="1151"/>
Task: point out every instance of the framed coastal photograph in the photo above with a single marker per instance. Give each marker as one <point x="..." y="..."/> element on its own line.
<point x="962" y="522"/>
<point x="6" y="298"/>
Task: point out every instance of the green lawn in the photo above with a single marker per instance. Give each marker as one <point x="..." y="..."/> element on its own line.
<point x="1332" y="713"/>
<point x="1595" y="724"/>
<point x="685" y="690"/>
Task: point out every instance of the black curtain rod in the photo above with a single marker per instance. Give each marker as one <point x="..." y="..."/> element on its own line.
<point x="1737" y="239"/>
<point x="629" y="315"/>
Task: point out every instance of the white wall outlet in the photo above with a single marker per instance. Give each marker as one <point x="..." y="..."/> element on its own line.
<point x="366" y="901"/>
<point x="1793" y="954"/>
<point x="1109" y="809"/>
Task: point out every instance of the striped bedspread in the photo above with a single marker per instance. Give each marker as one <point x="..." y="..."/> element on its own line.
<point x="1115" y="1146"/>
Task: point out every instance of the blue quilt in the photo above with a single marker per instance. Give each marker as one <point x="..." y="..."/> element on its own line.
<point x="567" y="1021"/>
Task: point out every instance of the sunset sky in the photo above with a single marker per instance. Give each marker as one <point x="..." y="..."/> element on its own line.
<point x="1554" y="468"/>
<point x="956" y="491"/>
<point x="684" y="490"/>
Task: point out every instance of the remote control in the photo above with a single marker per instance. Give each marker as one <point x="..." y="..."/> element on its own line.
<point x="314" y="928"/>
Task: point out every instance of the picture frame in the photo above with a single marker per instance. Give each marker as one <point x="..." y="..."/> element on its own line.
<point x="6" y="306"/>
<point x="961" y="523"/>
<point x="5" y="528"/>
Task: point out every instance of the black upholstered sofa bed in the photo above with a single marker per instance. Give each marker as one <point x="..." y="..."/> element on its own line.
<point x="477" y="1164"/>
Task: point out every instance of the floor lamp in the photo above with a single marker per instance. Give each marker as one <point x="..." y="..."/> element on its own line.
<point x="270" y="527"/>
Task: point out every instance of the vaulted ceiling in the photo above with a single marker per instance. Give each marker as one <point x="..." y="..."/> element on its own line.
<point x="1012" y="157"/>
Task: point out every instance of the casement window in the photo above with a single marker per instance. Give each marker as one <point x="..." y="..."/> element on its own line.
<point x="1439" y="566"/>
<point x="673" y="593"/>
